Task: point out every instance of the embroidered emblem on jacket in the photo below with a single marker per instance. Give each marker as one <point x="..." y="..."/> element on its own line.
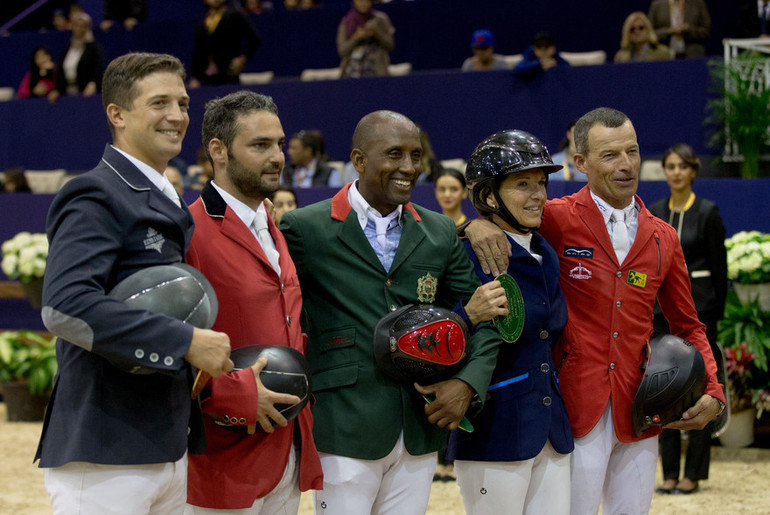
<point x="154" y="240"/>
<point x="579" y="252"/>
<point x="580" y="272"/>
<point x="426" y="288"/>
<point x="637" y="278"/>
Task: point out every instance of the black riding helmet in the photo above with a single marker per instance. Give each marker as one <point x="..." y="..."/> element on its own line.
<point x="495" y="158"/>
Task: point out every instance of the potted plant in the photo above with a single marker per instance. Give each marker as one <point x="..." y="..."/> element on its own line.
<point x="741" y="110"/>
<point x="27" y="369"/>
<point x="748" y="266"/>
<point x="24" y="258"/>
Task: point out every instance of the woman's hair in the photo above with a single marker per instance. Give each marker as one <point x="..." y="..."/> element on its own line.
<point x="452" y="173"/>
<point x="625" y="41"/>
<point x="287" y="189"/>
<point x="686" y="153"/>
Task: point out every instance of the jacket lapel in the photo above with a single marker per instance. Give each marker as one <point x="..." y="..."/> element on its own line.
<point x="412" y="235"/>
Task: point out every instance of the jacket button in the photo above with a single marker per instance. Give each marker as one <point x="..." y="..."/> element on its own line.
<point x="546" y="401"/>
<point x="168" y="361"/>
<point x="543" y="334"/>
<point x="393" y="308"/>
<point x="620" y="273"/>
<point x="388" y="282"/>
<point x="617" y="303"/>
<point x="154" y="357"/>
<point x="283" y="288"/>
<point x="612" y="366"/>
<point x="615" y="334"/>
<point x="544" y="368"/>
<point x="139" y="353"/>
<point x="288" y="320"/>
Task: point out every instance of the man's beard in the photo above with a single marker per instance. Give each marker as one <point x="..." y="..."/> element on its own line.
<point x="247" y="182"/>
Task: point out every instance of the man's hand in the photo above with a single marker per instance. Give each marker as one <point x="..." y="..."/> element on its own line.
<point x="210" y="351"/>
<point x="267" y="399"/>
<point x="697" y="416"/>
<point x="452" y="399"/>
<point x="491" y="246"/>
<point x="487" y="302"/>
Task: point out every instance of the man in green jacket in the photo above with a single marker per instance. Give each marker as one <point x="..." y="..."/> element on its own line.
<point x="364" y="253"/>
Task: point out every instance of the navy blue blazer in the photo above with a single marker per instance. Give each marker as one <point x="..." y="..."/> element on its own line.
<point x="103" y="226"/>
<point x="524" y="406"/>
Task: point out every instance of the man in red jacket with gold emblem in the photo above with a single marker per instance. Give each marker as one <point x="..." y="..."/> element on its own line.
<point x="615" y="260"/>
<point x="263" y="468"/>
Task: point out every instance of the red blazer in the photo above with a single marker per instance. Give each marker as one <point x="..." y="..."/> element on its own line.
<point x="610" y="309"/>
<point x="255" y="307"/>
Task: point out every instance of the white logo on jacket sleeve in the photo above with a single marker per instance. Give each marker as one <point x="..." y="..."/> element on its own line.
<point x="580" y="272"/>
<point x="154" y="240"/>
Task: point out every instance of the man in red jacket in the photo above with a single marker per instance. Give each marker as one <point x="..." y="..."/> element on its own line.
<point x="238" y="248"/>
<point x="615" y="259"/>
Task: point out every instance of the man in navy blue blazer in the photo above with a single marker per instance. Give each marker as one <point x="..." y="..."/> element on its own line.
<point x="112" y="438"/>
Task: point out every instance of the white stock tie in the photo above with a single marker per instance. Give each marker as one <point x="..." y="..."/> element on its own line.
<point x="169" y="191"/>
<point x="620" y="241"/>
<point x="266" y="240"/>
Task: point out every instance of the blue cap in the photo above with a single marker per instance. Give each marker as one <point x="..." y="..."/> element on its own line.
<point x="482" y="38"/>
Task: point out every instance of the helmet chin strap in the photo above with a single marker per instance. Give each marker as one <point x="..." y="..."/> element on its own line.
<point x="503" y="212"/>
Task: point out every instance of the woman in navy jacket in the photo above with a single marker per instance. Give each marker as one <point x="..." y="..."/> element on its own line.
<point x="517" y="458"/>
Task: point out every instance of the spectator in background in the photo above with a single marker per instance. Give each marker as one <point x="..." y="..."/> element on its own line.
<point x="702" y="235"/>
<point x="307" y="166"/>
<point x="564" y="157"/>
<point x="41" y="77"/>
<point x="60" y="21"/>
<point x="16" y="181"/>
<point x="683" y="25"/>
<point x="204" y="170"/>
<point x="81" y="65"/>
<point x="174" y="176"/>
<point x="284" y="199"/>
<point x="364" y="41"/>
<point x="451" y="190"/>
<point x="540" y="57"/>
<point x="431" y="166"/>
<point x="255" y="6"/>
<point x="484" y="56"/>
<point x="127" y="12"/>
<point x="753" y="19"/>
<point x="639" y="42"/>
<point x="224" y="41"/>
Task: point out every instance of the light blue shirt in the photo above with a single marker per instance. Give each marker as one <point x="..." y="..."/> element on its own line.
<point x="367" y="217"/>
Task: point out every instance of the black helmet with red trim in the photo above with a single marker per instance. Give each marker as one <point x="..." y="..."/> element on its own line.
<point x="495" y="158"/>
<point x="420" y="343"/>
<point x="674" y="376"/>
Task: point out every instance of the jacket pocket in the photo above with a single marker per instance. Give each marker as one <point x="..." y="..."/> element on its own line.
<point x="335" y="377"/>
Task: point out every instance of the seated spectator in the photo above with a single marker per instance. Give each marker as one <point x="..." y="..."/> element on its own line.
<point x="224" y="41"/>
<point x="364" y="41"/>
<point x="639" y="42"/>
<point x="81" y="65"/>
<point x="540" y="57"/>
<point x="753" y="20"/>
<point x="250" y="7"/>
<point x="41" y="77"/>
<point x="16" y="181"/>
<point x="484" y="56"/>
<point x="567" y="150"/>
<point x="127" y="12"/>
<point x="431" y="166"/>
<point x="683" y="25"/>
<point x="307" y="166"/>
<point x="284" y="199"/>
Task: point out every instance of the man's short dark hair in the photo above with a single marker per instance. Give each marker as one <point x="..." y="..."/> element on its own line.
<point x="605" y="116"/>
<point x="221" y="117"/>
<point x="120" y="78"/>
<point x="543" y="40"/>
<point x="313" y="139"/>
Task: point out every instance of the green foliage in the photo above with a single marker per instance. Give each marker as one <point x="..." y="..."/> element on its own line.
<point x="746" y="322"/>
<point x="741" y="110"/>
<point x="25" y="356"/>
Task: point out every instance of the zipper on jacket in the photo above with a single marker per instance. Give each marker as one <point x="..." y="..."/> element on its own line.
<point x="563" y="359"/>
<point x="657" y="242"/>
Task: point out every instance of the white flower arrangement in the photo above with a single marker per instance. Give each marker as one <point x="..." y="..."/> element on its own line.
<point x="748" y="257"/>
<point x="24" y="256"/>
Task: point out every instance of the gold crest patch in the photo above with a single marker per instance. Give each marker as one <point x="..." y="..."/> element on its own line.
<point x="426" y="288"/>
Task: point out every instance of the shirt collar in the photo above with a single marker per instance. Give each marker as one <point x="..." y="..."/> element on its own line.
<point x="363" y="209"/>
<point x="242" y="211"/>
<point x="631" y="210"/>
<point x="158" y="179"/>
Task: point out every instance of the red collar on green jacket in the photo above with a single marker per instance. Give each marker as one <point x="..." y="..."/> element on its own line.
<point x="341" y="207"/>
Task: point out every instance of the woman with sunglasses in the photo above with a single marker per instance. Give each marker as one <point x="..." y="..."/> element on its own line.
<point x="639" y="42"/>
